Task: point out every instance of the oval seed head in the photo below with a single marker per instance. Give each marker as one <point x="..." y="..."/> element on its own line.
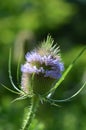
<point x="43" y="67"/>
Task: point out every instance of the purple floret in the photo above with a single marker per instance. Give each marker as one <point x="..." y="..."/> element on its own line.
<point x="33" y="56"/>
<point x="27" y="68"/>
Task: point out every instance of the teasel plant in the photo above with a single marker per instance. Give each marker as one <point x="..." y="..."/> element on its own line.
<point x="42" y="73"/>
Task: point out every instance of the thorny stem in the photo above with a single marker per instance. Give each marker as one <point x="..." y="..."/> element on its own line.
<point x="31" y="113"/>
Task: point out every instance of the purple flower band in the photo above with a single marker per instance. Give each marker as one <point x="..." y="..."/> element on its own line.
<point x="48" y="66"/>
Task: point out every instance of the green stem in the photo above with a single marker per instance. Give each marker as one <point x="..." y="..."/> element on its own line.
<point x="31" y="113"/>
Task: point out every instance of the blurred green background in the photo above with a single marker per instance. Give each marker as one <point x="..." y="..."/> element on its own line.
<point x="23" y="24"/>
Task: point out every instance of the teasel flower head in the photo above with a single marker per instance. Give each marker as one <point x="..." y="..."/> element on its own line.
<point x="42" y="69"/>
